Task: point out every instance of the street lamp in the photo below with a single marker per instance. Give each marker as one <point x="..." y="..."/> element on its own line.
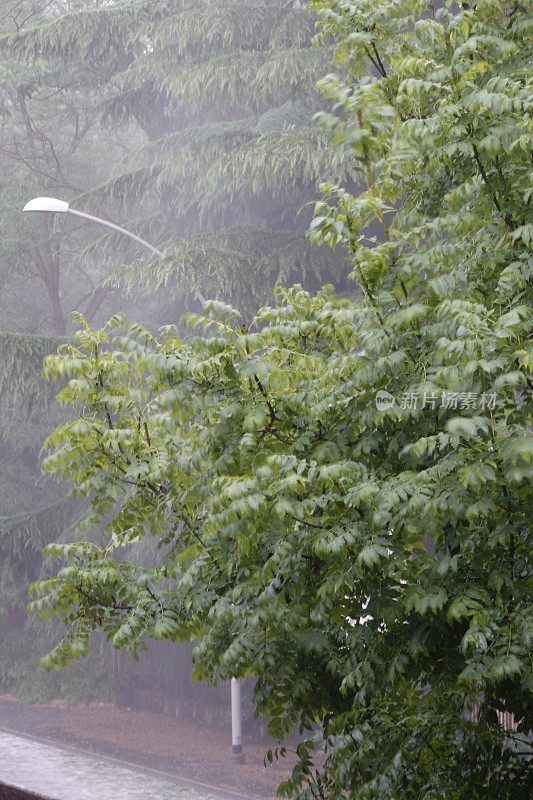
<point x="52" y="206"/>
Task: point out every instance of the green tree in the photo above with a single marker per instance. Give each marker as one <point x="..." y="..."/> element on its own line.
<point x="366" y="558"/>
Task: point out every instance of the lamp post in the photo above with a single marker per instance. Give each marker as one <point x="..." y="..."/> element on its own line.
<point x="52" y="206"/>
<point x="237" y="756"/>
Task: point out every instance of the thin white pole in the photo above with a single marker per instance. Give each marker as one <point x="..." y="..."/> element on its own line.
<point x="236" y="722"/>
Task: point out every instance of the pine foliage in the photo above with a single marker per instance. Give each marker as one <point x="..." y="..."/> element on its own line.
<point x="24" y="394"/>
<point x="32" y="512"/>
<point x="232" y="261"/>
<point x="224" y="92"/>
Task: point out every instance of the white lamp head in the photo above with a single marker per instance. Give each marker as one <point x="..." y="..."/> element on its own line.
<point x="49" y="204"/>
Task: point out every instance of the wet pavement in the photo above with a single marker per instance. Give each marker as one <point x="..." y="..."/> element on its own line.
<point x="182" y="750"/>
<point x="59" y="774"/>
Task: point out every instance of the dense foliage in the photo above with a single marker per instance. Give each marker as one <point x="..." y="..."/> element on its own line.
<point x="341" y="492"/>
<point x="51" y="143"/>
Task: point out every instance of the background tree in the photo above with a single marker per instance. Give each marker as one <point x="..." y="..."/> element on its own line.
<point x="223" y="94"/>
<point x="50" y="143"/>
<point x="47" y="142"/>
<point x="364" y="556"/>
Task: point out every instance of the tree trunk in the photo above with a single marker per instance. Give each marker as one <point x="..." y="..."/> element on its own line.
<point x="50" y="272"/>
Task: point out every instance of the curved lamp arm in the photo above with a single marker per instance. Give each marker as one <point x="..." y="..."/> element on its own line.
<point x="53" y="206"/>
<point x="117" y="228"/>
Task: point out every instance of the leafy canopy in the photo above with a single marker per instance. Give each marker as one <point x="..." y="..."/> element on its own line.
<point x="367" y="562"/>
